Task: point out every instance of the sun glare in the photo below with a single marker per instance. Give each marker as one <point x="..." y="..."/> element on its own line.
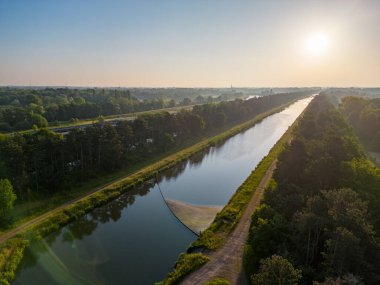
<point x="318" y="43"/>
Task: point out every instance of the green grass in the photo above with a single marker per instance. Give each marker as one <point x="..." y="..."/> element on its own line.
<point x="218" y="281"/>
<point x="186" y="264"/>
<point x="10" y="256"/>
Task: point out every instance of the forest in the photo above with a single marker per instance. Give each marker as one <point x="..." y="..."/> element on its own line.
<point x="45" y="162"/>
<point x="364" y="116"/>
<point x="319" y="219"/>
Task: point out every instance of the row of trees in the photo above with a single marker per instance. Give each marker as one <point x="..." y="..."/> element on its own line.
<point x="364" y="116"/>
<point x="22" y="109"/>
<point x="321" y="211"/>
<point x="47" y="162"/>
<point x="7" y="198"/>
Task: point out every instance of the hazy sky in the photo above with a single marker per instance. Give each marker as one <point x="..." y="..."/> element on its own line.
<point x="190" y="43"/>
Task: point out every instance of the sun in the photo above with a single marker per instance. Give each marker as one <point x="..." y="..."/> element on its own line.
<point x="318" y="43"/>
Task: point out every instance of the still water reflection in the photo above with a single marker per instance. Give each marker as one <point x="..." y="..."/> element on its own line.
<point x="135" y="239"/>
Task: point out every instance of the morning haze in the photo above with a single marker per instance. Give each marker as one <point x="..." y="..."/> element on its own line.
<point x="189" y="43"/>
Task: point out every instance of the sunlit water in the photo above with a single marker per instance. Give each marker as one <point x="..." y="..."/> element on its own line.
<point x="135" y="239"/>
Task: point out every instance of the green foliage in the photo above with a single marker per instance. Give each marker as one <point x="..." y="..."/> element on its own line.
<point x="218" y="281"/>
<point x="317" y="214"/>
<point x="10" y="256"/>
<point x="348" y="279"/>
<point x="7" y="198"/>
<point x="276" y="270"/>
<point x="364" y="116"/>
<point x="19" y="106"/>
<point x="186" y="264"/>
<point x="37" y="120"/>
<point x="268" y="232"/>
<point x="44" y="162"/>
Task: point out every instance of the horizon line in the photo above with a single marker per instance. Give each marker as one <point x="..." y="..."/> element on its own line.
<point x="180" y="87"/>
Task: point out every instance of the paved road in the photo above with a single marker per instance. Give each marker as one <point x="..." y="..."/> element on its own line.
<point x="227" y="262"/>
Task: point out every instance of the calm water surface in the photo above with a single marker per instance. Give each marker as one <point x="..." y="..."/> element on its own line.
<point x="135" y="239"/>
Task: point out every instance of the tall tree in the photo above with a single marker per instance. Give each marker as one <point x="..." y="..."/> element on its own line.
<point x="276" y="270"/>
<point x="7" y="198"/>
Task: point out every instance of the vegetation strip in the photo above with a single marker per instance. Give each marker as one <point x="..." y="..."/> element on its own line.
<point x="59" y="218"/>
<point x="319" y="221"/>
<point x="216" y="235"/>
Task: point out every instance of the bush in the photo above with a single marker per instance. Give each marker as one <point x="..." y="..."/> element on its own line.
<point x="276" y="270"/>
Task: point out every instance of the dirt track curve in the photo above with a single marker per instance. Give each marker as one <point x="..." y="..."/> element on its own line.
<point x="13" y="232"/>
<point x="227" y="262"/>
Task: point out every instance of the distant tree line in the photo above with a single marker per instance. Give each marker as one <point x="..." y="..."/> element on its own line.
<point x="46" y="162"/>
<point x="22" y="109"/>
<point x="27" y="108"/>
<point x="321" y="212"/>
<point x="364" y="116"/>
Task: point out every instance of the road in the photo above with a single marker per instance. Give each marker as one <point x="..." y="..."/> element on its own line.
<point x="227" y="262"/>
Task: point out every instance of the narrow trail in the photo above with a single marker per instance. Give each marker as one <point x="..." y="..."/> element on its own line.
<point x="13" y="232"/>
<point x="227" y="262"/>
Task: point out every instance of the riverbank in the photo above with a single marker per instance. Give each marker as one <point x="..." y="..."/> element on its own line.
<point x="222" y="228"/>
<point x="71" y="211"/>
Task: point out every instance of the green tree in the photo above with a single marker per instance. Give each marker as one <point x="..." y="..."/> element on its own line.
<point x="276" y="270"/>
<point x="7" y="198"/>
<point x="38" y="120"/>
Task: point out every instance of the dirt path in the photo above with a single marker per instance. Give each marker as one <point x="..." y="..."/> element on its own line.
<point x="227" y="262"/>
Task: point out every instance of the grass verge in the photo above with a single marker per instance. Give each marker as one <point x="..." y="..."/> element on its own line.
<point x="11" y="254"/>
<point x="186" y="264"/>
<point x="218" y="281"/>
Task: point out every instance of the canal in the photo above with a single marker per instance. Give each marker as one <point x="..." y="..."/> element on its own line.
<point x="135" y="239"/>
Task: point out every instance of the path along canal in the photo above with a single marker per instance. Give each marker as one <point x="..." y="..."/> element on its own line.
<point x="136" y="239"/>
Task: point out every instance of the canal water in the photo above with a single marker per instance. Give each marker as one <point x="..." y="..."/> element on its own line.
<point x="135" y="239"/>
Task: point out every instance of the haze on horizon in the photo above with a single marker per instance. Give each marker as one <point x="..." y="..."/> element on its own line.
<point x="190" y="43"/>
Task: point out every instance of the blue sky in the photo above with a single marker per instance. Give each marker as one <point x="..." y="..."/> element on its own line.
<point x="189" y="43"/>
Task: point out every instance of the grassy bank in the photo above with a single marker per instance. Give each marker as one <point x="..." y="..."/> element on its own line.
<point x="225" y="221"/>
<point x="186" y="264"/>
<point x="13" y="248"/>
<point x="11" y="254"/>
